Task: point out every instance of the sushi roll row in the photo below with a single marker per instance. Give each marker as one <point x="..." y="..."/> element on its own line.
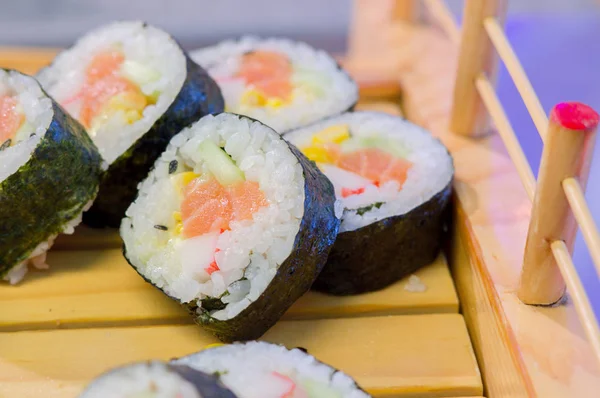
<point x="250" y="370"/>
<point x="128" y="88"/>
<point x="234" y="215"/>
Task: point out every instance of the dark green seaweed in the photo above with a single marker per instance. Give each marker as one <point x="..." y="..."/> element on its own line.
<point x="199" y="96"/>
<point x="379" y="254"/>
<point x="59" y="179"/>
<point x="208" y="386"/>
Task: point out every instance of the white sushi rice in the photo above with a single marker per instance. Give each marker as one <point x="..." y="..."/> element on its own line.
<point x="431" y="170"/>
<point x="141" y="43"/>
<point x="149" y="380"/>
<point x="321" y="89"/>
<point x="37" y="108"/>
<point x="253" y="249"/>
<point x="247" y="369"/>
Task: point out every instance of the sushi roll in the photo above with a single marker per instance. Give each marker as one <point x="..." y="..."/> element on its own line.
<point x="264" y="370"/>
<point x="49" y="173"/>
<point x="283" y="83"/>
<point x="133" y="88"/>
<point x="232" y="223"/>
<point x="394" y="180"/>
<point x="156" y="379"/>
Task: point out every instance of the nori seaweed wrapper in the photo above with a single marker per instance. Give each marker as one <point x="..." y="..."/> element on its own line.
<point x="52" y="188"/>
<point x="198" y="96"/>
<point x="208" y="386"/>
<point x="375" y="256"/>
<point x="318" y="229"/>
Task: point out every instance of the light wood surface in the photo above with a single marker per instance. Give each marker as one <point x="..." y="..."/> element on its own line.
<point x="99" y="288"/>
<point x="577" y="294"/>
<point x="548" y="345"/>
<point x="499" y="360"/>
<point x="389" y="356"/>
<point x="567" y="153"/>
<point x="477" y="56"/>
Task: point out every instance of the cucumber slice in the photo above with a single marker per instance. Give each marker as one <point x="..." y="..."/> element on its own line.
<point x="385" y="144"/>
<point x="315" y="389"/>
<point x="138" y="73"/>
<point x="220" y="163"/>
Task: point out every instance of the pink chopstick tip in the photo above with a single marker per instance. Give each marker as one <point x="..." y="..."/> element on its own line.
<point x="575" y="116"/>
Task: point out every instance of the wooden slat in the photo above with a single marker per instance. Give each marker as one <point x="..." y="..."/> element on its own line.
<point x="26" y="60"/>
<point x="86" y="238"/>
<point x="389" y="356"/>
<point x="98" y="288"/>
<point x="500" y="365"/>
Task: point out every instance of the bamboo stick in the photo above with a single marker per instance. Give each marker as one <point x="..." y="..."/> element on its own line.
<point x="567" y="153"/>
<point x="578" y="295"/>
<point x="494" y="107"/>
<point x="516" y="71"/>
<point x="584" y="218"/>
<point x="441" y="14"/>
<point x="468" y="116"/>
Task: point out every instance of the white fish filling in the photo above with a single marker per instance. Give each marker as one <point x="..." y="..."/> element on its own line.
<point x="153" y="62"/>
<point x="430" y="172"/>
<point x="263" y="370"/>
<point x="250" y="252"/>
<point x="321" y="89"/>
<point x="143" y="380"/>
<point x="37" y="110"/>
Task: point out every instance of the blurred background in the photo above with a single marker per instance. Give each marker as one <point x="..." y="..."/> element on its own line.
<point x="201" y="22"/>
<point x="558" y="42"/>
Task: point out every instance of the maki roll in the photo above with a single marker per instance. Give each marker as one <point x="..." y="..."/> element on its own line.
<point x="282" y="83"/>
<point x="49" y="173"/>
<point x="394" y="180"/>
<point x="264" y="370"/>
<point x="233" y="223"/>
<point x="156" y="379"/>
<point x="133" y="88"/>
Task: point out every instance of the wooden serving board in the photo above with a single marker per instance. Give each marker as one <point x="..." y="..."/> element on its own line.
<point x="91" y="311"/>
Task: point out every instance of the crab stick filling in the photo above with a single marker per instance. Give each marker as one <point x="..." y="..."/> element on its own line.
<point x="211" y="201"/>
<point x="357" y="162"/>
<point x="11" y="120"/>
<point x="112" y="88"/>
<point x="282" y="385"/>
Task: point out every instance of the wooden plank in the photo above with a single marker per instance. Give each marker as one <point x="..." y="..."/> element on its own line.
<point x="481" y="307"/>
<point x="99" y="288"/>
<point x="415" y="355"/>
<point x="547" y="343"/>
<point x="26" y="60"/>
<point x="86" y="238"/>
